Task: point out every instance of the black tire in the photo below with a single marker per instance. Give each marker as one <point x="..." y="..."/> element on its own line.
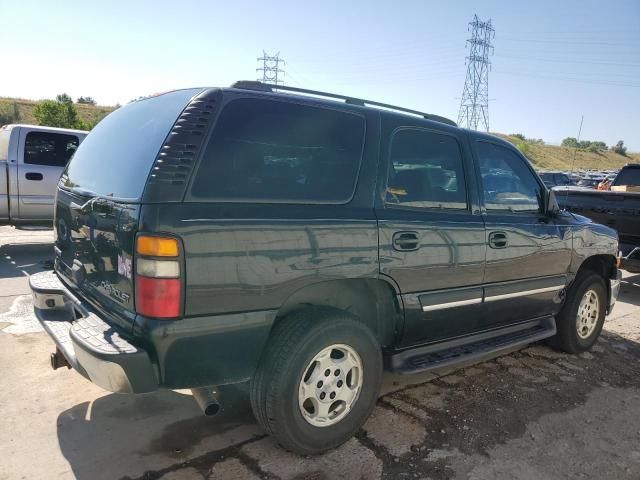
<point x="295" y="341"/>
<point x="567" y="338"/>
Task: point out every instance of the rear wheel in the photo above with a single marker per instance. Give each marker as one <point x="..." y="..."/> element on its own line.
<point x="582" y="317"/>
<point x="318" y="380"/>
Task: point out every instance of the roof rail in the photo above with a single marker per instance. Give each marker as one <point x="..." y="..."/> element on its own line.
<point x="264" y="87"/>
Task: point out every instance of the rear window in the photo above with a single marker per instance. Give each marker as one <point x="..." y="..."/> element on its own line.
<point x="274" y="151"/>
<point x="4" y="145"/>
<point x="115" y="158"/>
<point x="628" y="176"/>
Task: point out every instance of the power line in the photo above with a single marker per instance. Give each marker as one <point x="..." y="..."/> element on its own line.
<point x="474" y="106"/>
<point x="270" y="68"/>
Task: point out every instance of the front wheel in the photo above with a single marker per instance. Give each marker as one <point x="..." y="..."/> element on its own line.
<point x="582" y="317"/>
<point x="318" y="380"/>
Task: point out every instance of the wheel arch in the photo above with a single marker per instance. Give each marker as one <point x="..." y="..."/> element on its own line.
<point x="604" y="265"/>
<point x="373" y="301"/>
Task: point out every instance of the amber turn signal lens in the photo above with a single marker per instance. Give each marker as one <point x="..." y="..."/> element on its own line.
<point x="157" y="246"/>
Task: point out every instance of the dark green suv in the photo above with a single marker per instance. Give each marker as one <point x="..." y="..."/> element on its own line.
<point x="304" y="242"/>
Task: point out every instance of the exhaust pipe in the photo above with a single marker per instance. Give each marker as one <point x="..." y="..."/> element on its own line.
<point x="207" y="400"/>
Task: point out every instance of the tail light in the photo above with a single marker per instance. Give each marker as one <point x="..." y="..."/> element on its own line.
<point x="158" y="291"/>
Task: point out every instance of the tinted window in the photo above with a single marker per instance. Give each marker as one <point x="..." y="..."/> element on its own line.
<point x="508" y="183"/>
<point x="273" y="151"/>
<point x="46" y="148"/>
<point x="628" y="176"/>
<point x="117" y="155"/>
<point x="426" y="171"/>
<point x="562" y="179"/>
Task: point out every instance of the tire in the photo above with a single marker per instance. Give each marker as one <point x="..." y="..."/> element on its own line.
<point x="574" y="336"/>
<point x="276" y="393"/>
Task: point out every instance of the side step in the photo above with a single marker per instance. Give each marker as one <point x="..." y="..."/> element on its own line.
<point x="472" y="348"/>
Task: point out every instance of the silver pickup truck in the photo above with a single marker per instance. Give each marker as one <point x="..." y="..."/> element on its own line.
<point x="32" y="159"/>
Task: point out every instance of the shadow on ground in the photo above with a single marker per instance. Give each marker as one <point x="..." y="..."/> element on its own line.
<point x="469" y="412"/>
<point x="20" y="259"/>
<point x="121" y="435"/>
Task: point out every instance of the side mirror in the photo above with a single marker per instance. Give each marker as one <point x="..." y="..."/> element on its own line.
<point x="552" y="209"/>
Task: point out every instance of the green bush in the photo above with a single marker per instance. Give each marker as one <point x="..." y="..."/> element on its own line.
<point x="59" y="113"/>
<point x="9" y="113"/>
<point x="620" y="148"/>
<point x="525" y="149"/>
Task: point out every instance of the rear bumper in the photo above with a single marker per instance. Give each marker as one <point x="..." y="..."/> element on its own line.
<point x="92" y="346"/>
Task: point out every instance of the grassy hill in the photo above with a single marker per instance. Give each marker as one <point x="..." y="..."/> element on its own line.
<point x="24" y="110"/>
<point x="547" y="157"/>
<point x="551" y="157"/>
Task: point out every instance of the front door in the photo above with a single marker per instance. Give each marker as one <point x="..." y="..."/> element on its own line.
<point x="431" y="232"/>
<point x="42" y="157"/>
<point x="528" y="252"/>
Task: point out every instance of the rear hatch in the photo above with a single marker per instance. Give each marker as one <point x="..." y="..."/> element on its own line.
<point x="98" y="202"/>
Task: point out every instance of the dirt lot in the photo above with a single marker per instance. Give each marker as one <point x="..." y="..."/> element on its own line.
<point x="533" y="414"/>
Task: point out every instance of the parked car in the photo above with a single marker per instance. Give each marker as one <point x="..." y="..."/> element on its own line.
<point x="590" y="181"/>
<point x="618" y="209"/>
<point x="32" y="159"/>
<point x="304" y="242"/>
<point x="555" y="179"/>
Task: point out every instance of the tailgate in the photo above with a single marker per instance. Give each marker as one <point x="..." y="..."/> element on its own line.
<point x="95" y="240"/>
<point x="618" y="210"/>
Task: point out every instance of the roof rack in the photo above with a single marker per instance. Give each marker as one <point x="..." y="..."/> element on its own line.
<point x="264" y="87"/>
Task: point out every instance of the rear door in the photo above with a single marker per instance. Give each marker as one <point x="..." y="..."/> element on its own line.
<point x="42" y="156"/>
<point x="528" y="253"/>
<point x="431" y="231"/>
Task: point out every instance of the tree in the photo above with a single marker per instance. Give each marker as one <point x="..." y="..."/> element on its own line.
<point x="519" y="136"/>
<point x="58" y="113"/>
<point x="63" y="98"/>
<point x="620" y="148"/>
<point x="86" y="100"/>
<point x="570" y="142"/>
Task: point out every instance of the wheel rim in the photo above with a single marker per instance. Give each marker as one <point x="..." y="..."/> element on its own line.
<point x="588" y="313"/>
<point x="330" y="385"/>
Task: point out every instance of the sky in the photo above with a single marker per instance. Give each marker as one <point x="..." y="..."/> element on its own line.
<point x="553" y="62"/>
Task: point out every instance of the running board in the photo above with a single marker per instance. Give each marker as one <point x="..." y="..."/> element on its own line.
<point x="471" y="348"/>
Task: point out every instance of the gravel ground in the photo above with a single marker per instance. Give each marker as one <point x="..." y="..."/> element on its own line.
<point x="532" y="414"/>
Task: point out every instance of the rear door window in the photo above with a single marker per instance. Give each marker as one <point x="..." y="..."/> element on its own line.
<point x="276" y="151"/>
<point x="426" y="171"/>
<point x="49" y="148"/>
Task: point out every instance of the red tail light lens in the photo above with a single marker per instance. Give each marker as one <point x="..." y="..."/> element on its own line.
<point x="158" y="297"/>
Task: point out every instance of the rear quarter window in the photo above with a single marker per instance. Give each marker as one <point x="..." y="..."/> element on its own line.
<point x="4" y="145"/>
<point x="628" y="176"/>
<point x="274" y="151"/>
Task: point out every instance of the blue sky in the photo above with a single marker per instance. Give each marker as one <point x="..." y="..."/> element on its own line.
<point x="554" y="60"/>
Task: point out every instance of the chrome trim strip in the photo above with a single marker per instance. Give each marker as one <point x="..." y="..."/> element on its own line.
<point x="523" y="293"/>
<point x="460" y="303"/>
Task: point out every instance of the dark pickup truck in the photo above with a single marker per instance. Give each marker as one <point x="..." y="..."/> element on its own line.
<point x="619" y="210"/>
<point x="305" y="242"/>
